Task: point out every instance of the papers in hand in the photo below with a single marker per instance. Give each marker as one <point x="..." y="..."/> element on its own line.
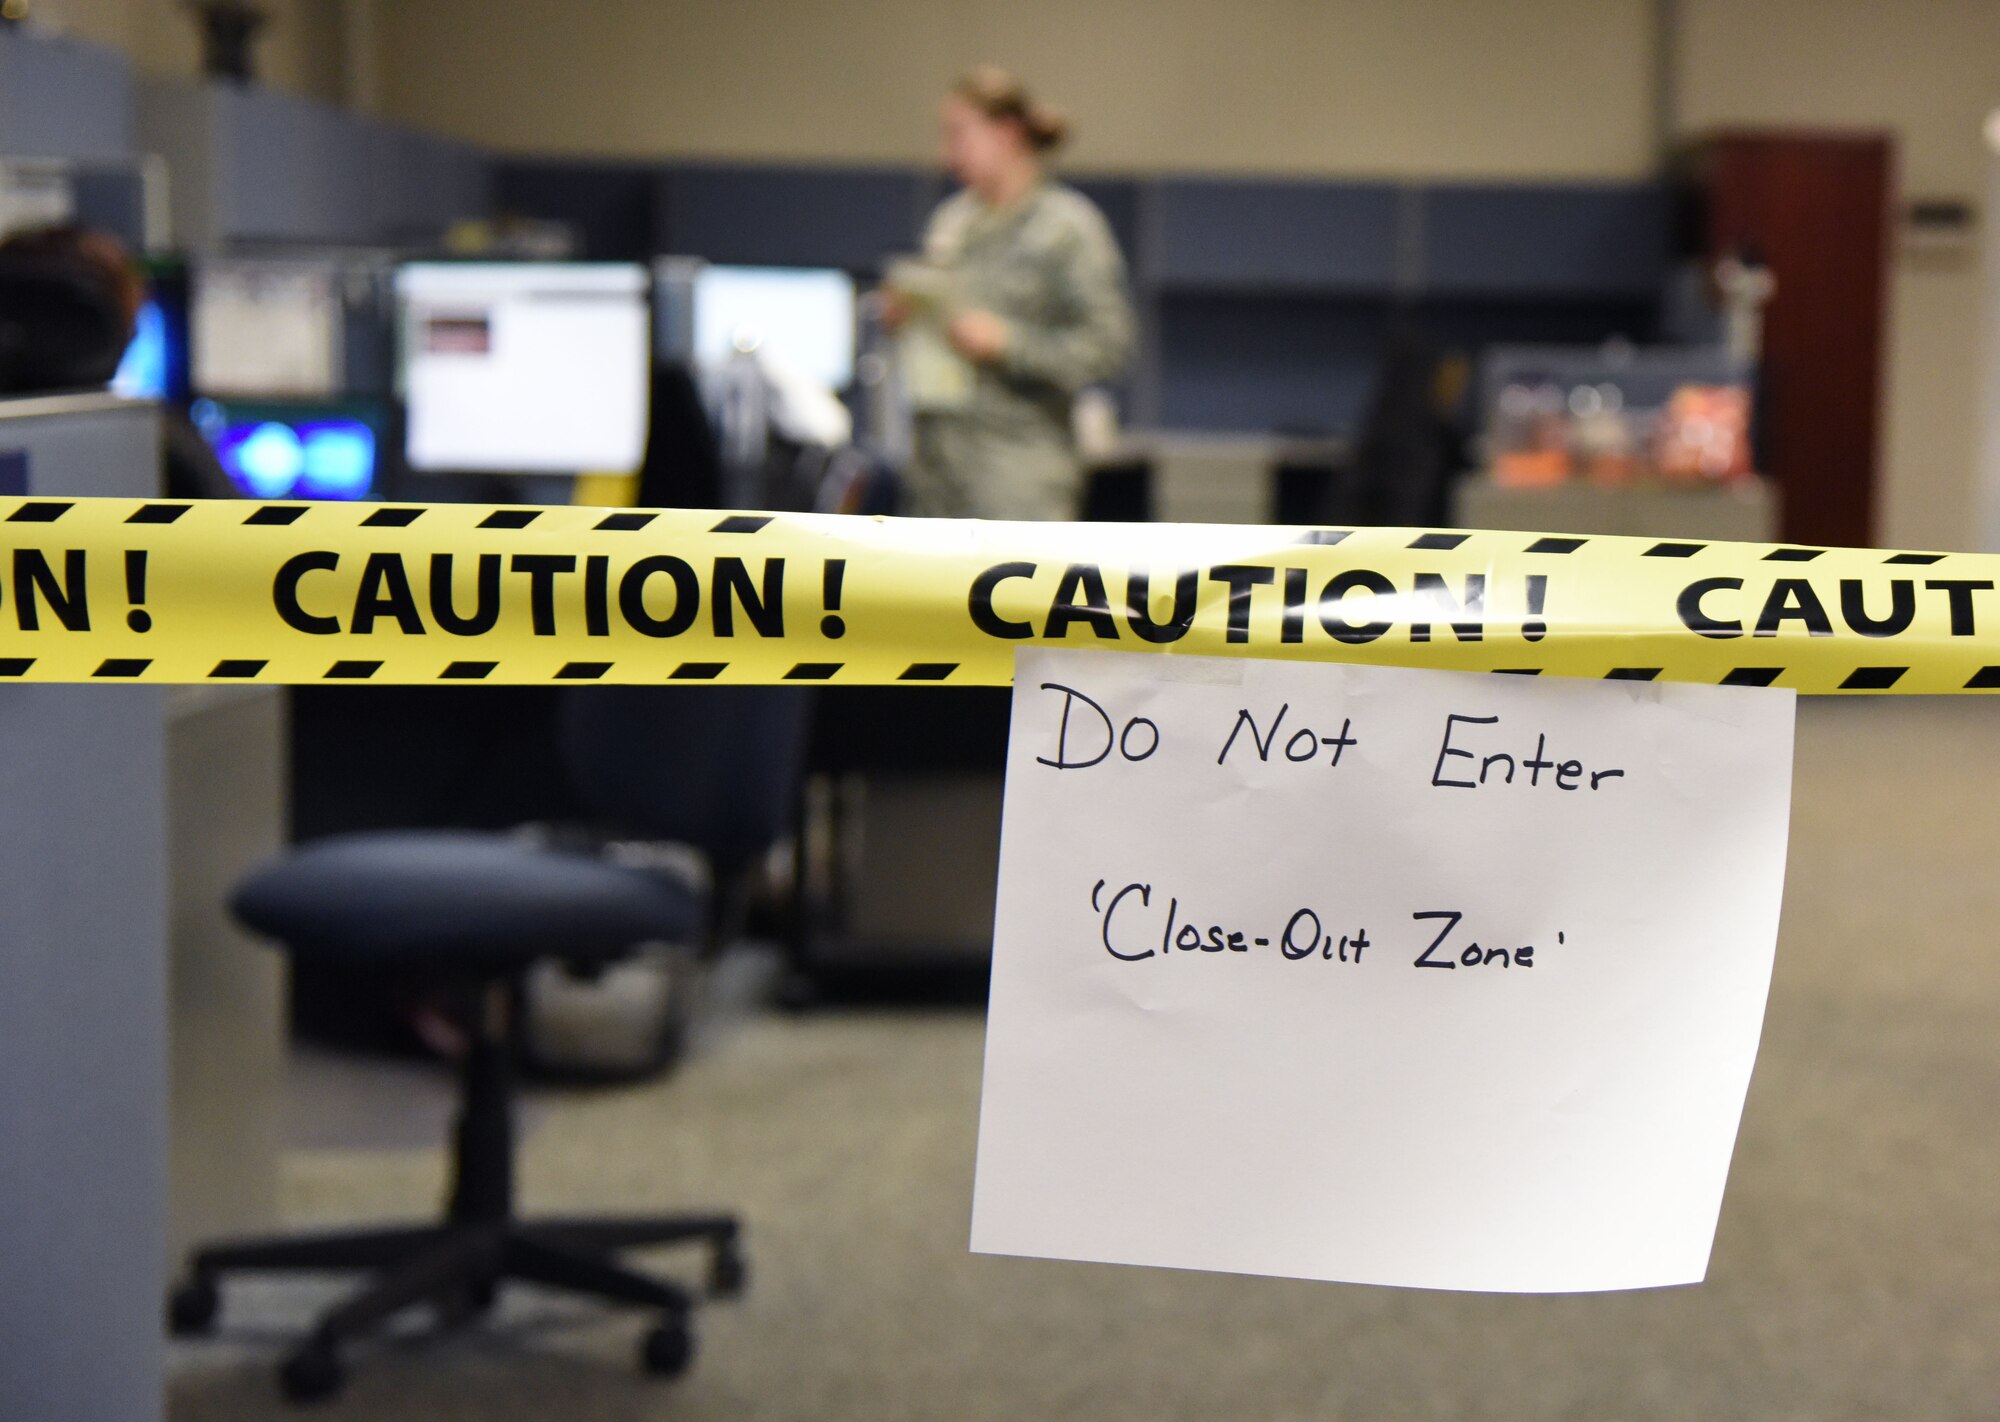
<point x="935" y="376"/>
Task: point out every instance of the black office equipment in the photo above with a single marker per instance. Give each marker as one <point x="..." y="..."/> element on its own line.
<point x="715" y="767"/>
<point x="931" y="760"/>
<point x="1120" y="492"/>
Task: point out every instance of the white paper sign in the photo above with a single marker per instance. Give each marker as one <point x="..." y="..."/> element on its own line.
<point x="1423" y="978"/>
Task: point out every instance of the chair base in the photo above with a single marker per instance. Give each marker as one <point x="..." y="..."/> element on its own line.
<point x="457" y="1270"/>
<point x="456" y="1266"/>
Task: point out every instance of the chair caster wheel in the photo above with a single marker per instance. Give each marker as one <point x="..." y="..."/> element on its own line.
<point x="668" y="1348"/>
<point x="728" y="1272"/>
<point x="192" y="1307"/>
<point x="312" y="1374"/>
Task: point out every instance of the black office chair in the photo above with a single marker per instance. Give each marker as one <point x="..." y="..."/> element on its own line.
<point x="682" y="467"/>
<point x="715" y="767"/>
<point x="1404" y="451"/>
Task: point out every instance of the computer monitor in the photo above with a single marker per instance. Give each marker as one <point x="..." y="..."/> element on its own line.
<point x="294" y="451"/>
<point x="266" y="328"/>
<point x="801" y="316"/>
<point x="145" y="370"/>
<point x="155" y="363"/>
<point x="524" y="367"/>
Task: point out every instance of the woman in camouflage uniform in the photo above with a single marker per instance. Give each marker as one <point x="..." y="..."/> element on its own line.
<point x="1039" y="311"/>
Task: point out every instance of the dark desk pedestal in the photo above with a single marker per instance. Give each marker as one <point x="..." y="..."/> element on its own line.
<point x="901" y="838"/>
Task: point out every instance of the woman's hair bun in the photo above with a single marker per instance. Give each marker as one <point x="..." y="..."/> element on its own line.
<point x="1047" y="126"/>
<point x="999" y="95"/>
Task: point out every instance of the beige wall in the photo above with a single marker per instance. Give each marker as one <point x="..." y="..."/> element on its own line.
<point x="1530" y="88"/>
<point x="299" y="49"/>
<point x="1930" y="71"/>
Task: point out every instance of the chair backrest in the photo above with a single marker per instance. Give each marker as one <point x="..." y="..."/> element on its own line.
<point x="683" y="464"/>
<point x="1401" y="450"/>
<point x="716" y="767"/>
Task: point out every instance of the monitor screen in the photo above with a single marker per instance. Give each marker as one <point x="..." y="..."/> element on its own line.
<point x="293" y="451"/>
<point x="155" y="364"/>
<point x="800" y="316"/>
<point x="266" y="328"/>
<point x="145" y="370"/>
<point x="524" y="367"/>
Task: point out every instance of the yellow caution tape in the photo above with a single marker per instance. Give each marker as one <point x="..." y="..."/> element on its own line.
<point x="114" y="589"/>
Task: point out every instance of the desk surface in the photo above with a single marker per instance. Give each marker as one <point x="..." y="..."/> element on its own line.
<point x="1745" y="512"/>
<point x="1201" y="476"/>
<point x="1247" y="453"/>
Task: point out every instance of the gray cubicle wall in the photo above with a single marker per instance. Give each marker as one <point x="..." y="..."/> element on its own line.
<point x="83" y="984"/>
<point x="610" y="205"/>
<point x="424" y="183"/>
<point x="289" y="170"/>
<point x="1576" y="241"/>
<point x="1272" y="301"/>
<point x="791" y="216"/>
<point x="248" y="166"/>
<point x="1264" y="236"/>
<point x="62" y="98"/>
<point x="72" y="104"/>
<point x="1268" y="299"/>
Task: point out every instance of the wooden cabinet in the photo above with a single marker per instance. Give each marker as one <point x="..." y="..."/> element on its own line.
<point x="1815" y="208"/>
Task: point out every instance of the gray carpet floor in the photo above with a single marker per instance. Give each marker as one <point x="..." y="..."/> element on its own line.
<point x="1856" y="1273"/>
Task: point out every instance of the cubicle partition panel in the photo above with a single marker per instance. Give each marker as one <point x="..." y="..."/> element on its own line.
<point x="110" y="194"/>
<point x="293" y="170"/>
<point x="1120" y="199"/>
<point x="610" y="205"/>
<point x="423" y="184"/>
<point x="68" y="117"/>
<point x="62" y="98"/>
<point x="1274" y="303"/>
<point x="850" y="218"/>
<point x="1575" y="243"/>
<point x="1263" y="235"/>
<point x="247" y="165"/>
<point x="113" y="197"/>
<point x="1247" y="362"/>
<point x="83" y="1006"/>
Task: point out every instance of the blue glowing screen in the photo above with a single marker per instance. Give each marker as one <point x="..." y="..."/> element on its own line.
<point x="330" y="457"/>
<point x="145" y="372"/>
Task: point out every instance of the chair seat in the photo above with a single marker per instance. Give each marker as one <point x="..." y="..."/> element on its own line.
<point x="446" y="898"/>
